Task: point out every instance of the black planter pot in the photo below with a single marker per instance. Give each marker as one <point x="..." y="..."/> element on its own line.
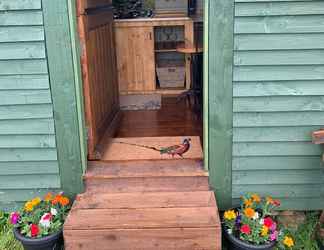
<point x="51" y="242"/>
<point x="321" y="246"/>
<point x="236" y="244"/>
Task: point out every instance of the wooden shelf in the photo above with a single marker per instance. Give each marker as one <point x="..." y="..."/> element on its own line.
<point x="165" y="50"/>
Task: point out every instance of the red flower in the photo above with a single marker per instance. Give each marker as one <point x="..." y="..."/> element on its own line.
<point x="276" y="203"/>
<point x="246" y="229"/>
<point x="34" y="230"/>
<point x="268" y="222"/>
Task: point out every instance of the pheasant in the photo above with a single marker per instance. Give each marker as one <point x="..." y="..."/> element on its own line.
<point x="179" y="149"/>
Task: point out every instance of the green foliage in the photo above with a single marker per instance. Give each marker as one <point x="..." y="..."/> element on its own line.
<point x="7" y="240"/>
<point x="304" y="236"/>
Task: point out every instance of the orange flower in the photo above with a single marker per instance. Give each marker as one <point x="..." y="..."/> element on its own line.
<point x="56" y="199"/>
<point x="48" y="197"/>
<point x="249" y="212"/>
<point x="248" y="202"/>
<point x="256" y="198"/>
<point x="64" y="201"/>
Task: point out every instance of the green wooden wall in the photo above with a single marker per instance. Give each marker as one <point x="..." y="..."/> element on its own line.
<point x="278" y="100"/>
<point x="28" y="155"/>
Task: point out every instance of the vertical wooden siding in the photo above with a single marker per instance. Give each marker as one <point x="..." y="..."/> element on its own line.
<point x="278" y="90"/>
<point x="28" y="156"/>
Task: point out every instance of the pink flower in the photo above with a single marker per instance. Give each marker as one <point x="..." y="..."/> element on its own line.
<point x="14" y="218"/>
<point x="45" y="221"/>
<point x="273" y="226"/>
<point x="274" y="236"/>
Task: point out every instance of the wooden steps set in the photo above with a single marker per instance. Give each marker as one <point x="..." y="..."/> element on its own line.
<point x="157" y="204"/>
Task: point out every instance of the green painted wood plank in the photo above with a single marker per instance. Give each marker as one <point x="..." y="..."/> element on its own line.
<point x="275" y="134"/>
<point x="278" y="103"/>
<point x="27" y="141"/>
<point x="279" y="8"/>
<point x="269" y="177"/>
<point x="282" y="57"/>
<point x="278" y="73"/>
<point x="279" y="88"/>
<point x="27" y="50"/>
<point x="257" y="1"/>
<point x="299" y="203"/>
<point x="21" y="33"/>
<point x="279" y="24"/>
<point x="278" y="41"/>
<point x="62" y="76"/>
<point x="28" y="67"/>
<point x="26" y="111"/>
<point x="22" y="195"/>
<point x="31" y="181"/>
<point x="15" y="97"/>
<point x="31" y="167"/>
<point x="279" y="191"/>
<point x="20" y="5"/>
<point x="21" y="18"/>
<point x="24" y="127"/>
<point x="276" y="163"/>
<point x="278" y="119"/>
<point x="28" y="154"/>
<point x="24" y="82"/>
<point x="220" y="56"/>
<point x="276" y="149"/>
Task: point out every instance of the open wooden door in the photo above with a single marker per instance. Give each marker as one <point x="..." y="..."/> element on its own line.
<point x="99" y="69"/>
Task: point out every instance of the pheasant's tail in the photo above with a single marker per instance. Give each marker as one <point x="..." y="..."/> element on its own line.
<point x="139" y="145"/>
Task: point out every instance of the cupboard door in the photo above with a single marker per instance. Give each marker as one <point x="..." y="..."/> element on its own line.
<point x="135" y="59"/>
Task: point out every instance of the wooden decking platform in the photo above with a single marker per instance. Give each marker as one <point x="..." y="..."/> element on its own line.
<point x="142" y="205"/>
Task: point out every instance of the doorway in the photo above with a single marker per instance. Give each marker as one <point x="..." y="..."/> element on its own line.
<point x="137" y="83"/>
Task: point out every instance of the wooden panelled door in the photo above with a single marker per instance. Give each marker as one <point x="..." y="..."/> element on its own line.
<point x="99" y="69"/>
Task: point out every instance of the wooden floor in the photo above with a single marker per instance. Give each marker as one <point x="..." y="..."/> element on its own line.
<point x="173" y="119"/>
<point x="144" y="205"/>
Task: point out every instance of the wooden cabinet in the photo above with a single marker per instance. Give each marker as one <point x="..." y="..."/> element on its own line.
<point x="136" y="52"/>
<point x="135" y="58"/>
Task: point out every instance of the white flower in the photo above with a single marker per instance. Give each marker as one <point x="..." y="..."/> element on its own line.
<point x="53" y="211"/>
<point x="45" y="220"/>
<point x="229" y="231"/>
<point x="256" y="216"/>
<point x="261" y="221"/>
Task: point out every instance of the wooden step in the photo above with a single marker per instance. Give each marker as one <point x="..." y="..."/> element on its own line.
<point x="145" y="200"/>
<point x="87" y="219"/>
<point x="144" y="239"/>
<point x="146" y="176"/>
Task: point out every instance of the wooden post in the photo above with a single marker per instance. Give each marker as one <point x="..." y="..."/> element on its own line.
<point x="62" y="82"/>
<point x="220" y="71"/>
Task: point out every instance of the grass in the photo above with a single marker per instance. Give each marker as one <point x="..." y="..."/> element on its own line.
<point x="7" y="240"/>
<point x="305" y="235"/>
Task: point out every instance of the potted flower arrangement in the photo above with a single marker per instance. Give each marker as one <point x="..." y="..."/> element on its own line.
<point x="38" y="225"/>
<point x="252" y="226"/>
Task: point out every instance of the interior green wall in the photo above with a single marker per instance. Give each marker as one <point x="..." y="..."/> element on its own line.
<point x="28" y="153"/>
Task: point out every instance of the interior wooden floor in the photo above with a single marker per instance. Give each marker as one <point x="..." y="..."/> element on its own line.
<point x="173" y="119"/>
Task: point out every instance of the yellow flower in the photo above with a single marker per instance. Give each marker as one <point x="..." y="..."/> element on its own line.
<point x="230" y="215"/>
<point x="256" y="198"/>
<point x="264" y="231"/>
<point x="249" y="212"/>
<point x="269" y="199"/>
<point x="248" y="202"/>
<point x="29" y="206"/>
<point x="36" y="201"/>
<point x="288" y="241"/>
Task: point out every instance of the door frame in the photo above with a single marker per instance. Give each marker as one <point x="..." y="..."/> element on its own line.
<point x="69" y="117"/>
